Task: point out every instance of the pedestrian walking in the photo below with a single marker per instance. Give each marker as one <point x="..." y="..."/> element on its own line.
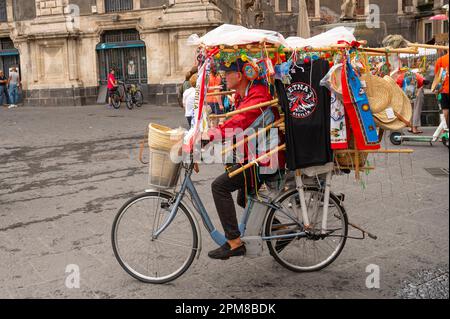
<point x="186" y="85"/>
<point x="13" y="87"/>
<point x="214" y="86"/>
<point x="3" y="84"/>
<point x="112" y="86"/>
<point x="189" y="100"/>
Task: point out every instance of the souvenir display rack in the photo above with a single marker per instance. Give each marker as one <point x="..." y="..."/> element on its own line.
<point x="328" y="52"/>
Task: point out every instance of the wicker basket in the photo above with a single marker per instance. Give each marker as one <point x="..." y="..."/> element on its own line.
<point x="163" y="138"/>
<point x="163" y="172"/>
<point x="347" y="159"/>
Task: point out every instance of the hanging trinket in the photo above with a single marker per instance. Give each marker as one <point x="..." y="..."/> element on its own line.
<point x="250" y="71"/>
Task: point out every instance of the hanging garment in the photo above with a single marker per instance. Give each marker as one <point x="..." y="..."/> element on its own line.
<point x="358" y="110"/>
<point x="338" y="127"/>
<point x="306" y="106"/>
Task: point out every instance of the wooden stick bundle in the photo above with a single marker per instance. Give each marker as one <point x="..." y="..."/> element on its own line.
<point x="256" y="161"/>
<point x="257" y="106"/>
<point x="251" y="137"/>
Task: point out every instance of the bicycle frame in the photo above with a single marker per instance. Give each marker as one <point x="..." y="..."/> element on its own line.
<point x="217" y="236"/>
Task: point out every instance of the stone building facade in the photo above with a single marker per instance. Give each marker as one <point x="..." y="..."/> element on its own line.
<point x="66" y="46"/>
<point x="406" y="17"/>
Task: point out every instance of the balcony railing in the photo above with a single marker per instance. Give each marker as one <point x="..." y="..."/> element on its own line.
<point x="118" y="5"/>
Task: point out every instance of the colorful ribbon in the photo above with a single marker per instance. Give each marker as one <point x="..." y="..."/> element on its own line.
<point x="358" y="110"/>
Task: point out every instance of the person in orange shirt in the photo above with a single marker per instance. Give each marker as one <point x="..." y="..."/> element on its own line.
<point x="215" y="85"/>
<point x="442" y="62"/>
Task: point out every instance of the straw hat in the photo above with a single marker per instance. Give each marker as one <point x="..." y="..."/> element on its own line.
<point x="377" y="91"/>
<point x="399" y="103"/>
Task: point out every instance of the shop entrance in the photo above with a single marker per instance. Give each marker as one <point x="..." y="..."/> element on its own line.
<point x="9" y="56"/>
<point x="125" y="52"/>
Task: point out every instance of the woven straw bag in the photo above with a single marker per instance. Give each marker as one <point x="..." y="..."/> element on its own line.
<point x="163" y="138"/>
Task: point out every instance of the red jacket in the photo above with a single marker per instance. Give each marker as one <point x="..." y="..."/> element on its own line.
<point x="256" y="94"/>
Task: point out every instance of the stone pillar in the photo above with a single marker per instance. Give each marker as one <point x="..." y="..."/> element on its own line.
<point x="72" y="57"/>
<point x="317" y="9"/>
<point x="100" y="6"/>
<point x="9" y="10"/>
<point x="366" y="7"/>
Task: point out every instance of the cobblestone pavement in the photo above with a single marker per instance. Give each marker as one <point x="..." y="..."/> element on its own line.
<point x="66" y="171"/>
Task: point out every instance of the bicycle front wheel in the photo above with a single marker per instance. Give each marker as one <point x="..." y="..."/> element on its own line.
<point x="154" y="260"/>
<point x="318" y="248"/>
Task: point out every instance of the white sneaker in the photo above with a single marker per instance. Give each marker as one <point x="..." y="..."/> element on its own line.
<point x="11" y="106"/>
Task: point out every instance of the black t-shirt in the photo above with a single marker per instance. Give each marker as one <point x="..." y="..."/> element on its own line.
<point x="306" y="106"/>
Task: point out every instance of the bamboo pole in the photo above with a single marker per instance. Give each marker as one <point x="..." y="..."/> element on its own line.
<point x="429" y="46"/>
<point x="220" y="93"/>
<point x="402" y="151"/>
<point x="351" y="168"/>
<point x="251" y="137"/>
<point x="257" y="106"/>
<point x="256" y="161"/>
<point x="332" y="48"/>
<point x="390" y="51"/>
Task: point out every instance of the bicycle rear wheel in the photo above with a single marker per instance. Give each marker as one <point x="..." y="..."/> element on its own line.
<point x="115" y="100"/>
<point x="153" y="260"/>
<point x="138" y="98"/>
<point x="129" y="101"/>
<point x="315" y="251"/>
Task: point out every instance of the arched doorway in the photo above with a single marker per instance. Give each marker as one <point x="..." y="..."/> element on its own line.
<point x="125" y="52"/>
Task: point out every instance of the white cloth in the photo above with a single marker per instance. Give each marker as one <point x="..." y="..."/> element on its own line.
<point x="325" y="39"/>
<point x="228" y="34"/>
<point x="188" y="101"/>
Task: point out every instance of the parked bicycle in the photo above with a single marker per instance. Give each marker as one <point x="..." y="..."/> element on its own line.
<point x="130" y="94"/>
<point x="156" y="236"/>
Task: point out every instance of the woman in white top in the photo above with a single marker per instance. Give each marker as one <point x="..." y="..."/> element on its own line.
<point x="188" y="100"/>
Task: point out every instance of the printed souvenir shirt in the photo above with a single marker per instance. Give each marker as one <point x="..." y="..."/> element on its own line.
<point x="306" y="106"/>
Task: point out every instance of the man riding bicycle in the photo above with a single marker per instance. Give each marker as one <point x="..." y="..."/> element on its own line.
<point x="248" y="93"/>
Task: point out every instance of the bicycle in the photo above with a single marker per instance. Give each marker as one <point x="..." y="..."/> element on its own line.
<point x="156" y="236"/>
<point x="136" y="96"/>
<point x="121" y="94"/>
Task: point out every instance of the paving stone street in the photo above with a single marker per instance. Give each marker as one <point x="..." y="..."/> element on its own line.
<point x="65" y="172"/>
